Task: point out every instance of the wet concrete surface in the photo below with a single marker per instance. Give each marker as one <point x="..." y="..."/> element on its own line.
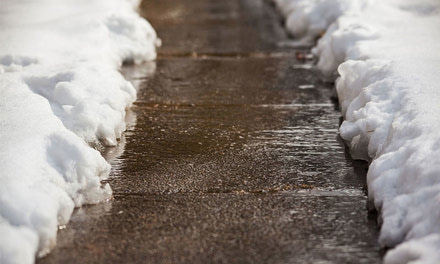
<point x="231" y="155"/>
<point x="207" y="27"/>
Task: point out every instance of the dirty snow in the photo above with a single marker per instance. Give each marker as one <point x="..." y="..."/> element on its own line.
<point x="61" y="92"/>
<point x="385" y="56"/>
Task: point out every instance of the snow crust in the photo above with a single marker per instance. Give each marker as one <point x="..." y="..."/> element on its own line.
<point x="60" y="93"/>
<point x="385" y="55"/>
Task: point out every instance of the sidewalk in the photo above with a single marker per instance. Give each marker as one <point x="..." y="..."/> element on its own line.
<point x="232" y="157"/>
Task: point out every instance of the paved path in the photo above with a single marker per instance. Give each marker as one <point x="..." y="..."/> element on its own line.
<point x="231" y="156"/>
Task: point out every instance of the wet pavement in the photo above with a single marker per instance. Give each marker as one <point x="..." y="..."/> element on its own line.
<point x="231" y="155"/>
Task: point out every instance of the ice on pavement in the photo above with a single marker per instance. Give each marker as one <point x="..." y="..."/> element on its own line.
<point x="385" y="55"/>
<point x="61" y="92"/>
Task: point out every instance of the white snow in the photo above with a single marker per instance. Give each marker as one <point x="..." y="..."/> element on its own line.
<point x="60" y="92"/>
<point x="385" y="54"/>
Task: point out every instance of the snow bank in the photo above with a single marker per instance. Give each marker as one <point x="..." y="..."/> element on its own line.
<point x="386" y="56"/>
<point x="307" y="20"/>
<point x="60" y="91"/>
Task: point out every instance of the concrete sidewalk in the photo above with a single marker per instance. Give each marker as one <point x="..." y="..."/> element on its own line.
<point x="232" y="154"/>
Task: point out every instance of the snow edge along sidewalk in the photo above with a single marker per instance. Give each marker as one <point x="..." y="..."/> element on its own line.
<point x="60" y="90"/>
<point x="383" y="54"/>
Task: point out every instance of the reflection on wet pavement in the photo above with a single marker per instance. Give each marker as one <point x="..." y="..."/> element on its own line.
<point x="231" y="155"/>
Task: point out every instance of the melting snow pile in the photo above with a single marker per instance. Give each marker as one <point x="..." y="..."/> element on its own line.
<point x="60" y="90"/>
<point x="386" y="54"/>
